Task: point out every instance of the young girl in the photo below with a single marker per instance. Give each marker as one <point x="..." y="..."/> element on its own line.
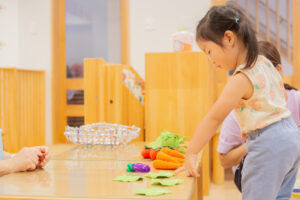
<point x="257" y="94"/>
<point x="231" y="148"/>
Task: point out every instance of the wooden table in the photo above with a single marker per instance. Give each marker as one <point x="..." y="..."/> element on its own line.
<point x="130" y="152"/>
<point x="69" y="177"/>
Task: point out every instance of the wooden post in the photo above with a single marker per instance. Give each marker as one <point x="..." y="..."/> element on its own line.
<point x="217" y="2"/>
<point x="289" y="28"/>
<point x="58" y="71"/>
<point x="125" y="31"/>
<point x="247" y="8"/>
<point x="277" y="26"/>
<point x="257" y="16"/>
<point x="296" y="45"/>
<point x="218" y="170"/>
<point x="267" y="20"/>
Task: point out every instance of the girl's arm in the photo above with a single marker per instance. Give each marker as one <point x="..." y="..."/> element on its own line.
<point x="238" y="87"/>
<point x="233" y="157"/>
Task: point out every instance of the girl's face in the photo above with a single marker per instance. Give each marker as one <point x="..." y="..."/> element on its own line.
<point x="227" y="56"/>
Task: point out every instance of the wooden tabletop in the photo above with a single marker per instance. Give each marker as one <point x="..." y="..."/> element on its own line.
<point x="70" y="175"/>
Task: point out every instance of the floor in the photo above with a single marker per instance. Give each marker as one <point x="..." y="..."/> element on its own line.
<point x="228" y="191"/>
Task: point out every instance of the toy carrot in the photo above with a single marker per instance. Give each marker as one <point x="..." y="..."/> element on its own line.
<point x="172" y="152"/>
<point x="161" y="164"/>
<point x="163" y="156"/>
<point x="180" y="160"/>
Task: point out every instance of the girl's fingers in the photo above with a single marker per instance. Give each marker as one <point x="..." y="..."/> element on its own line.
<point x="191" y="172"/>
<point x="195" y="173"/>
<point x="179" y="170"/>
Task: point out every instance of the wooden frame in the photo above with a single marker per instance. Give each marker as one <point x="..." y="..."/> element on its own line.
<point x="125" y="32"/>
<point x="60" y="83"/>
<point x="267" y="21"/>
<point x="58" y="70"/>
<point x="296" y="45"/>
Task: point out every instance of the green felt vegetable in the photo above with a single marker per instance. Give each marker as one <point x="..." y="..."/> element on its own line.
<point x="160" y="174"/>
<point x="167" y="182"/>
<point x="126" y="178"/>
<point x="129" y="167"/>
<point x="168" y="139"/>
<point x="151" y="191"/>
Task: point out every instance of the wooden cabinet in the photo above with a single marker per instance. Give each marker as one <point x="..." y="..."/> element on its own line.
<point x="107" y="98"/>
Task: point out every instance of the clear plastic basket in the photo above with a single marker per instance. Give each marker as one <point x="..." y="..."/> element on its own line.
<point x="102" y="134"/>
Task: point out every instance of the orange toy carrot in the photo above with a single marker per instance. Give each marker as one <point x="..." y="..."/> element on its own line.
<point x="180" y="160"/>
<point x="163" y="156"/>
<point x="161" y="164"/>
<point x="172" y="152"/>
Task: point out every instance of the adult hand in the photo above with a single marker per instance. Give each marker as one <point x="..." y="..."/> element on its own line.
<point x="45" y="157"/>
<point x="189" y="166"/>
<point x="26" y="159"/>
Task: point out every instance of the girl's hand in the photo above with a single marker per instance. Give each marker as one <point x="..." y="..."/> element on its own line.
<point x="189" y="166"/>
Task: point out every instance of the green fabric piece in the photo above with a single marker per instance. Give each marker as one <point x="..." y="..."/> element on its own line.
<point x="129" y="167"/>
<point x="168" y="182"/>
<point x="151" y="191"/>
<point x="160" y="174"/>
<point x="126" y="178"/>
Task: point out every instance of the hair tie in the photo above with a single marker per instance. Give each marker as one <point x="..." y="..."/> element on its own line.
<point x="237" y="20"/>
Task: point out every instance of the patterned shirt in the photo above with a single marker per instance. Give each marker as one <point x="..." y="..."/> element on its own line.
<point x="268" y="102"/>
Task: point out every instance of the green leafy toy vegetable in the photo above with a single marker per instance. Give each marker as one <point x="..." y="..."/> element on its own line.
<point x="168" y="139"/>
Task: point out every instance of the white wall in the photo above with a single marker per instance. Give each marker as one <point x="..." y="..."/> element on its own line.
<point x="35" y="46"/>
<point x="162" y="17"/>
<point x="9" y="41"/>
<point x="26" y="31"/>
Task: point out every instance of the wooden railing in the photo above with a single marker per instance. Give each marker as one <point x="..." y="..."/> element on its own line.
<point x="263" y="30"/>
<point x="22" y="108"/>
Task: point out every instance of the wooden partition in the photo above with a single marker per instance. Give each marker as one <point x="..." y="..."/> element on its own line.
<point x="180" y="89"/>
<point x="179" y="92"/>
<point x="107" y="99"/>
<point x="22" y="108"/>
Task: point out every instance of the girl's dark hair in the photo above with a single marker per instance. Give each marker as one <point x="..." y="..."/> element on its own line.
<point x="270" y="51"/>
<point x="222" y="18"/>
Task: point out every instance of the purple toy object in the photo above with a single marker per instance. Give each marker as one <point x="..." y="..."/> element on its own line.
<point x="139" y="167"/>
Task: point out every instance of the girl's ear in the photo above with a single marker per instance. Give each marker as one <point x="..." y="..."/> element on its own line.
<point x="279" y="68"/>
<point x="229" y="38"/>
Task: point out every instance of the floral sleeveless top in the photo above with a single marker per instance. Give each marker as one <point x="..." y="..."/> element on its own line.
<point x="268" y="102"/>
